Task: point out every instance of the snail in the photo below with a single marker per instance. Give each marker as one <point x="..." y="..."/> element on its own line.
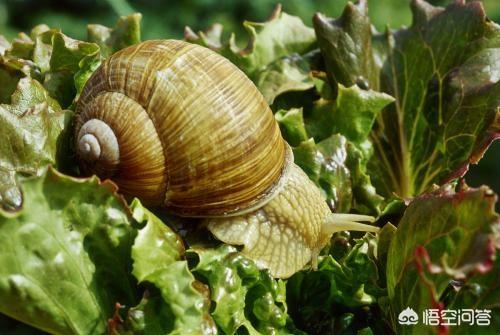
<point x="179" y="126"/>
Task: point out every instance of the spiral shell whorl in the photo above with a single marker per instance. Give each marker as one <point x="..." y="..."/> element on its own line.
<point x="96" y="141"/>
<point x="89" y="148"/>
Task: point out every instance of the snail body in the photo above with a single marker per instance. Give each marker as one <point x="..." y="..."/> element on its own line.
<point x="179" y="126"/>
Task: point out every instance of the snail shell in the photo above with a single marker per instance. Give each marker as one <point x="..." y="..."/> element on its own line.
<point x="177" y="125"/>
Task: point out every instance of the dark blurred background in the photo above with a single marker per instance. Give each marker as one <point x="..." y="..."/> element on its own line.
<point x="167" y="18"/>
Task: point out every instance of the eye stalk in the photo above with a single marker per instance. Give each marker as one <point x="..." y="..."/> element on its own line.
<point x="336" y="222"/>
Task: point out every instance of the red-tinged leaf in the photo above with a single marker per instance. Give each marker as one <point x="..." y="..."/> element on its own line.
<point x="443" y="235"/>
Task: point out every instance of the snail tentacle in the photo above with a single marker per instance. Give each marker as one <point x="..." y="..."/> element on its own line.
<point x="336" y="222"/>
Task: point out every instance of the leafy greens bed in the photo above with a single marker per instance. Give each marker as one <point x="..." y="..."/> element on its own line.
<point x="385" y="123"/>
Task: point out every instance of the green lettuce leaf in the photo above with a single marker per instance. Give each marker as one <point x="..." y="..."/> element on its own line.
<point x="446" y="111"/>
<point x="65" y="255"/>
<point x="126" y="32"/>
<point x="20" y="47"/>
<point x="54" y="59"/>
<point x="69" y="59"/>
<point x="16" y="63"/>
<point x="443" y="235"/>
<point x="32" y="131"/>
<point x="157" y="253"/>
<point x="244" y="296"/>
<point x="335" y="165"/>
<point x="11" y="71"/>
<point x="325" y="164"/>
<point x="292" y="125"/>
<point x="352" y="114"/>
<point x="275" y="58"/>
<point x="337" y="295"/>
<point x="30" y="96"/>
<point x="287" y="74"/>
<point x="346" y="46"/>
<point x="337" y="161"/>
<point x="61" y="59"/>
<point x="366" y="199"/>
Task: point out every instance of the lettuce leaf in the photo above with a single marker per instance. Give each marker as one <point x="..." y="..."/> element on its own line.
<point x="346" y="46"/>
<point x="127" y="31"/>
<point x="157" y="253"/>
<point x="244" y="296"/>
<point x="352" y="114"/>
<point x="32" y="130"/>
<point x="58" y="59"/>
<point x="276" y="57"/>
<point x="331" y="145"/>
<point x="65" y="256"/>
<point x="443" y="235"/>
<point x="338" y="295"/>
